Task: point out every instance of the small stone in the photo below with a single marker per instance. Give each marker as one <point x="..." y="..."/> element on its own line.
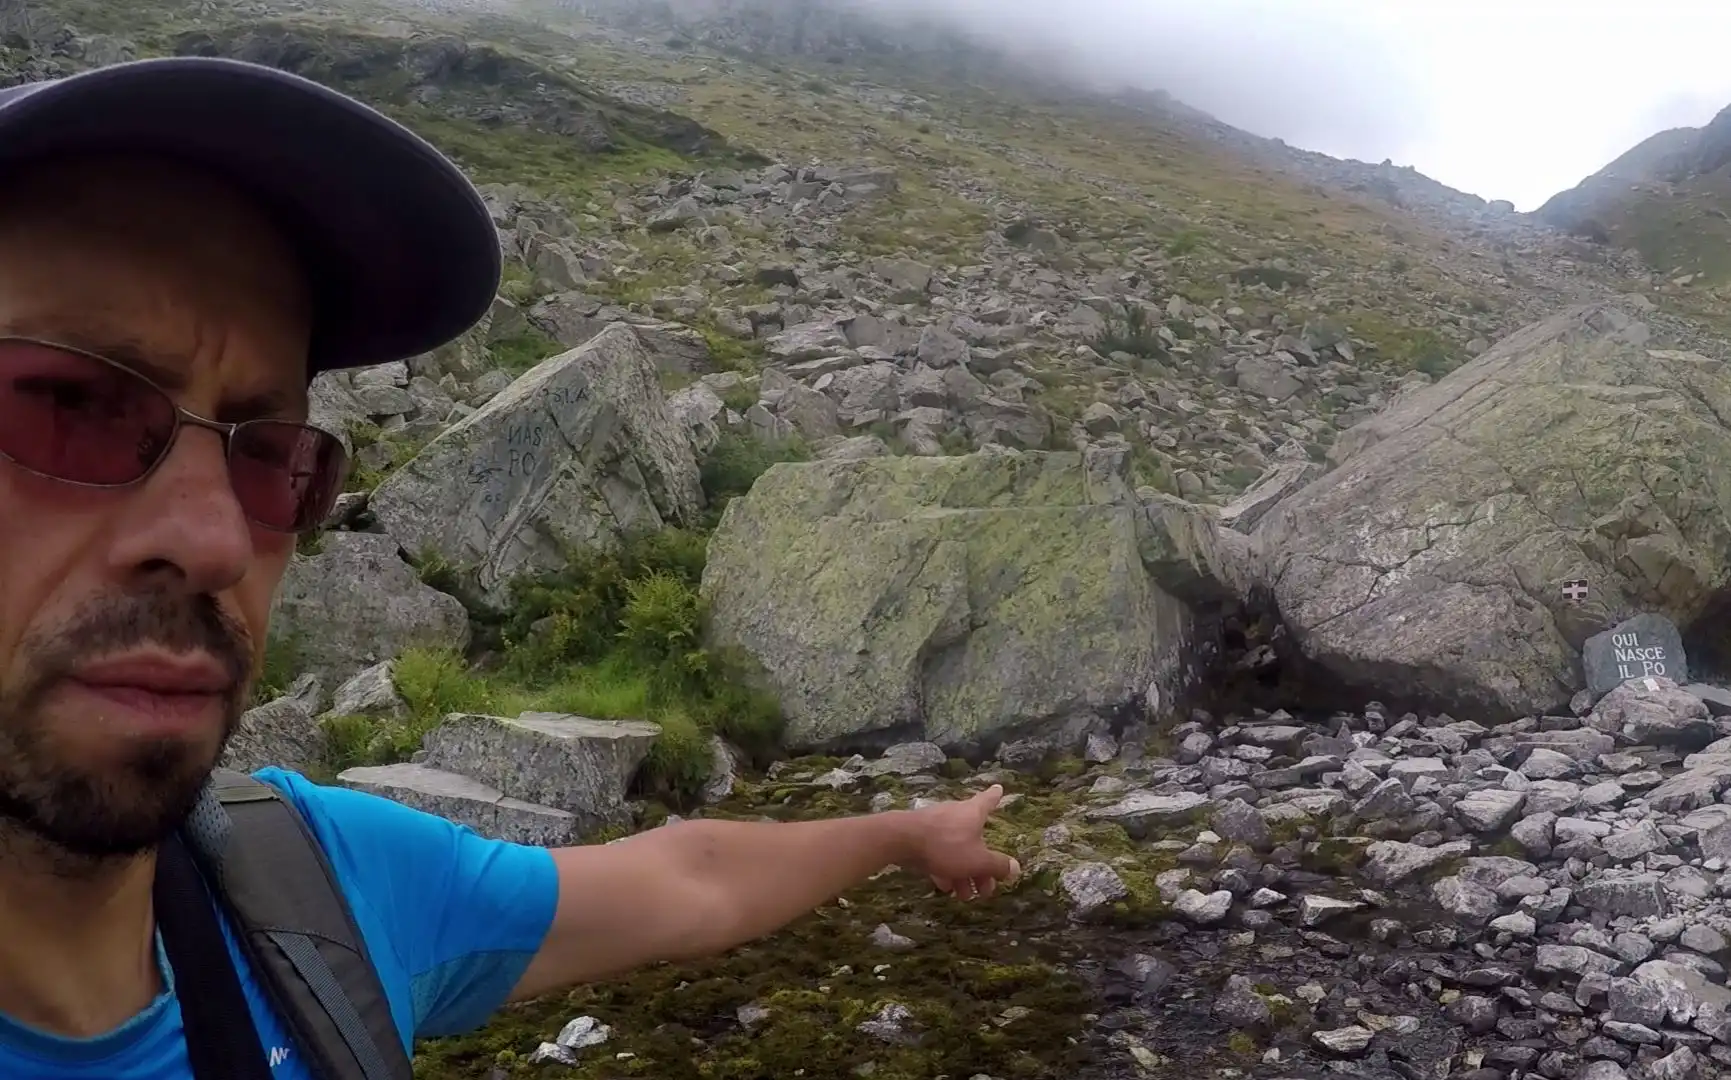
<point x="751" y="1014"/>
<point x="1475" y="1013"/>
<point x="583" y="1031"/>
<point x="1351" y="1041"/>
<point x="1203" y="909"/>
<point x="1547" y="764"/>
<point x="1313" y="911"/>
<point x="1680" y="1064"/>
<point x="1100" y="749"/>
<point x="1702" y="939"/>
<point x="1490" y="810"/>
<point x="1240" y="1005"/>
<point x="1634" y="1034"/>
<point x="889" y="1025"/>
<point x="1468" y="899"/>
<point x="1630" y="844"/>
<point x="1091" y="886"/>
<point x="1519" y="924"/>
<point x="885" y="938"/>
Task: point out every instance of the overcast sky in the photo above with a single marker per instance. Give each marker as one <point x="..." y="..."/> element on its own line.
<point x="1507" y="99"/>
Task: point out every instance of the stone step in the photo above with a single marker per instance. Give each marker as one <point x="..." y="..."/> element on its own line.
<point x="578" y="765"/>
<point x="466" y="801"/>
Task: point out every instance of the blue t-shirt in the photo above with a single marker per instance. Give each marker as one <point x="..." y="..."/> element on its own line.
<point x="450" y="919"/>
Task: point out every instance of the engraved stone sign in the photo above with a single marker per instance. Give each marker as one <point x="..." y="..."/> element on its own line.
<point x="1642" y="647"/>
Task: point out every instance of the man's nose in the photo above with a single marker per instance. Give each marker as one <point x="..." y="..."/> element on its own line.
<point x="184" y="521"/>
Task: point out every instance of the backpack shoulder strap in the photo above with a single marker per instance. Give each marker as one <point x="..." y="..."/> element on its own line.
<point x="296" y="928"/>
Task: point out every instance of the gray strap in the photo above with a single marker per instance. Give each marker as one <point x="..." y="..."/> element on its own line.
<point x="307" y="959"/>
<point x="296" y="928"/>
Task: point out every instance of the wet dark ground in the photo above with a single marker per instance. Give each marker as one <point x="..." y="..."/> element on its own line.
<point x="1162" y="991"/>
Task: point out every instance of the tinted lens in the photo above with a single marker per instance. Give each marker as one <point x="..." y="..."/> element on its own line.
<point x="73" y="417"/>
<point x="286" y="476"/>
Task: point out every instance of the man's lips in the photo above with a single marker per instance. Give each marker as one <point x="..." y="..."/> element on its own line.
<point x="163" y="673"/>
<point x="159" y="694"/>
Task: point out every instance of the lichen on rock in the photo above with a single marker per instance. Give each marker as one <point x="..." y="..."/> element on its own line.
<point x="957" y="600"/>
<point x="1434" y="555"/>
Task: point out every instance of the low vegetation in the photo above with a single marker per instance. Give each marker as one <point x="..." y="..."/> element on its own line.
<point x="977" y="1001"/>
<point x="520" y="352"/>
<point x="613" y="635"/>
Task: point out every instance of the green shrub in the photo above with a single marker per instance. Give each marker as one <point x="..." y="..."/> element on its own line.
<point x="1184" y="243"/>
<point x="740" y="398"/>
<point x="433" y="683"/>
<point x="520" y="352"/>
<point x="613" y="635"/>
<point x="1273" y="277"/>
<point x="617" y="635"/>
<point x="1133" y="334"/>
<point x="1429" y="352"/>
<point x="282" y="661"/>
<point x="735" y="463"/>
<point x="398" y="450"/>
<point x="573" y="615"/>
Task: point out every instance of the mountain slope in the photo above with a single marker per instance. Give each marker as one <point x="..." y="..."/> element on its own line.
<point x="1260" y="297"/>
<point x="1666" y="198"/>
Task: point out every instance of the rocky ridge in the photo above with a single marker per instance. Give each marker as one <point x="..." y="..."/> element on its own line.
<point x="1664" y="199"/>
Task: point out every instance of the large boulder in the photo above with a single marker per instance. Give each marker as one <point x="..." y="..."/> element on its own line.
<point x="577" y="453"/>
<point x="357" y="602"/>
<point x="1435" y="560"/>
<point x="963" y="601"/>
<point x="283" y="732"/>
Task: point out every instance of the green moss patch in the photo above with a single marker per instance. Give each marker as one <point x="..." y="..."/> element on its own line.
<point x="989" y="986"/>
<point x="980" y="1002"/>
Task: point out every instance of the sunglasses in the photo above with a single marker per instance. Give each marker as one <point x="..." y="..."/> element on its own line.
<point x="84" y="419"/>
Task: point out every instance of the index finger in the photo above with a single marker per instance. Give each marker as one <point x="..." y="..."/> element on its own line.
<point x="989" y="799"/>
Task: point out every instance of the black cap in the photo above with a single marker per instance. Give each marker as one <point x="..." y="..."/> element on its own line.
<point x="401" y="252"/>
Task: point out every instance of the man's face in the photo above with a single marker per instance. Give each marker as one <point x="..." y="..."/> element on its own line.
<point x="132" y="619"/>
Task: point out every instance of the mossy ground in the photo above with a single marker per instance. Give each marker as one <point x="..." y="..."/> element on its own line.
<point x="1009" y="987"/>
<point x="991" y="985"/>
<point x="985" y="998"/>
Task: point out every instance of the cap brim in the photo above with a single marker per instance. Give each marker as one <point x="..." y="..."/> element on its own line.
<point x="401" y="253"/>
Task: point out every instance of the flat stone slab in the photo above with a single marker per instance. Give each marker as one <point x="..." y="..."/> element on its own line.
<point x="466" y="801"/>
<point x="573" y="763"/>
<point x="1143" y="812"/>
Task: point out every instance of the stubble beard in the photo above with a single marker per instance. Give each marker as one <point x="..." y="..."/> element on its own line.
<point x="125" y="802"/>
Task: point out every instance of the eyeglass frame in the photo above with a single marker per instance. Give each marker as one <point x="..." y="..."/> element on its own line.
<point x="182" y="417"/>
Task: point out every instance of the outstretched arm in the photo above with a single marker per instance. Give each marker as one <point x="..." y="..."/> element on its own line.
<point x="699" y="888"/>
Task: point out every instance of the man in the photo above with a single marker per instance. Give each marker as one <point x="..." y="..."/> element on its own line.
<point x="183" y="244"/>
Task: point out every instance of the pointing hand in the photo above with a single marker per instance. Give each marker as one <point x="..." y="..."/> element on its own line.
<point x="950" y="846"/>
